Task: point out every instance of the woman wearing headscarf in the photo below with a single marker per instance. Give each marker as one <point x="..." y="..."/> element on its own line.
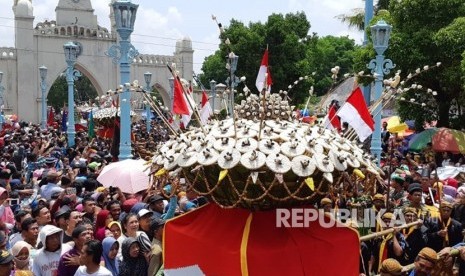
<point x="103" y="219"/>
<point x="6" y="214"/>
<point x="110" y="250"/>
<point x="22" y="260"/>
<point x="134" y="262"/>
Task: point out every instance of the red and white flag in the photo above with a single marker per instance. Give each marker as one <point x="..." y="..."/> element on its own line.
<point x="186" y="118"/>
<point x="332" y="120"/>
<point x="264" y="74"/>
<point x="206" y="110"/>
<point x="356" y="114"/>
<point x="179" y="101"/>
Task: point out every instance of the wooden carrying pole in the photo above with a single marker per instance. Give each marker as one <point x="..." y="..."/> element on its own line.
<point x="388" y="231"/>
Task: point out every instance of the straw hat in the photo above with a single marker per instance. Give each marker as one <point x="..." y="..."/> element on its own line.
<point x="268" y="146"/>
<point x="293" y="148"/>
<point x="229" y="158"/>
<point x="187" y="159"/>
<point x="428" y="254"/>
<point x="325" y="201"/>
<point x="224" y="143"/>
<point x="207" y="157"/>
<point x="391" y="266"/>
<point x="278" y="163"/>
<point x="303" y="166"/>
<point x="323" y="163"/>
<point x="253" y="160"/>
<point x="246" y="144"/>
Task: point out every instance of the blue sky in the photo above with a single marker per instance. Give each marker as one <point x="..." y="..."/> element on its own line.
<point x="160" y="23"/>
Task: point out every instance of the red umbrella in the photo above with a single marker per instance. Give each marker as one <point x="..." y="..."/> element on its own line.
<point x="450" y="140"/>
<point x="239" y="242"/>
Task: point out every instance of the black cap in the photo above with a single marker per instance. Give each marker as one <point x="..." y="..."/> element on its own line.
<point x="156" y="223"/>
<point x="5" y="257"/>
<point x="78" y="231"/>
<point x="62" y="211"/>
<point x="155" y="198"/>
<point x="414" y="187"/>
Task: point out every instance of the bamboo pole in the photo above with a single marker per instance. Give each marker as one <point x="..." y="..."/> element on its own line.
<point x="194" y="108"/>
<point x="389" y="231"/>
<point x="159" y="113"/>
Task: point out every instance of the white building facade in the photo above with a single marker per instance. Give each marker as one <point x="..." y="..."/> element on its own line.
<point x="43" y="45"/>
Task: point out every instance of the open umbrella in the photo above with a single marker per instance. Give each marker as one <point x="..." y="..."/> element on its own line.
<point x="450" y="140"/>
<point x="131" y="176"/>
<point x="421" y="139"/>
<point x="240" y="242"/>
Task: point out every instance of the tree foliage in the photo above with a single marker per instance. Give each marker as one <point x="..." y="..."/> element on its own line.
<point x="426" y="32"/>
<point x="58" y="93"/>
<point x="293" y="53"/>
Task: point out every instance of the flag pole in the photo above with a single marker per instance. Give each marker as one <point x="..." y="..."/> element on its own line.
<point x="159" y="113"/>
<point x="194" y="109"/>
<point x="265" y="88"/>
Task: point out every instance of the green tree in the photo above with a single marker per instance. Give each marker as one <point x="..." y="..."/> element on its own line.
<point x="58" y="93"/>
<point x="293" y="53"/>
<point x="426" y="32"/>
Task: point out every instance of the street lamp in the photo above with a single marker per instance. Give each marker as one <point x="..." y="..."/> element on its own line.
<point x="232" y="80"/>
<point x="125" y="16"/>
<point x="148" y="79"/>
<point x="43" y="87"/>
<point x="2" y="101"/>
<point x="213" y="93"/>
<point x="72" y="51"/>
<point x="379" y="66"/>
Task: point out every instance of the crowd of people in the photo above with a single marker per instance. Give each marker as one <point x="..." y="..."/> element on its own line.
<point x="57" y="219"/>
<point x="411" y="191"/>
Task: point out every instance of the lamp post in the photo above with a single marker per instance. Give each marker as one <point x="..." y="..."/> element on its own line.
<point x="72" y="51"/>
<point x="148" y="79"/>
<point x="2" y="102"/>
<point x="125" y="16"/>
<point x="213" y="94"/>
<point x="43" y="87"/>
<point x="220" y="90"/>
<point x="379" y="66"/>
<point x="232" y="80"/>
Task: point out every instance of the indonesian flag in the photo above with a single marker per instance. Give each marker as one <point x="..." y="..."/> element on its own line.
<point x="332" y="120"/>
<point x="179" y="101"/>
<point x="206" y="110"/>
<point x="262" y="74"/>
<point x="185" y="119"/>
<point x="356" y="114"/>
<point x="218" y="241"/>
<point x="50" y="117"/>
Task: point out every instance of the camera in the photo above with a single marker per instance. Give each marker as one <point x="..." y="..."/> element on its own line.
<point x="112" y="190"/>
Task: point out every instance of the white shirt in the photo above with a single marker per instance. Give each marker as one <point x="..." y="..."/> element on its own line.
<point x="102" y="271"/>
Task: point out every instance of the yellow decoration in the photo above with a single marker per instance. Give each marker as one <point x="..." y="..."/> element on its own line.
<point x="161" y="172"/>
<point x="359" y="173"/>
<point x="310" y="184"/>
<point x="223" y="174"/>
